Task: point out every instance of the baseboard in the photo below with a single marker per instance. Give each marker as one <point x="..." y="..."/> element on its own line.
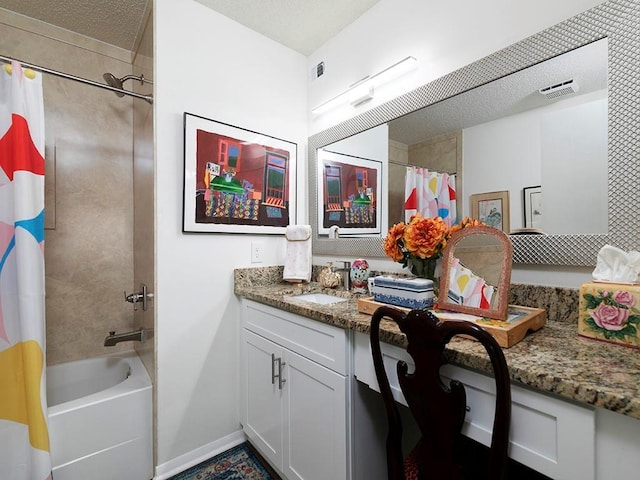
<point x="199" y="455"/>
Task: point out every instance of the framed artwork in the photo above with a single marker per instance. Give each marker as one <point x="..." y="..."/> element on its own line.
<point x="349" y="191"/>
<point x="236" y="180"/>
<point x="532" y="201"/>
<point x="492" y="208"/>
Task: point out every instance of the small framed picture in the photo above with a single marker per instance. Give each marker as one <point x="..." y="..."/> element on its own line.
<point x="532" y="201"/>
<point x="492" y="208"/>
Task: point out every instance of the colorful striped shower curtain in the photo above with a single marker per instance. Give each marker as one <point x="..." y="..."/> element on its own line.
<point x="24" y="438"/>
<point x="430" y="194"/>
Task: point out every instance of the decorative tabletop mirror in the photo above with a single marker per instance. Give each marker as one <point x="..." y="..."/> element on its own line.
<point x="476" y="273"/>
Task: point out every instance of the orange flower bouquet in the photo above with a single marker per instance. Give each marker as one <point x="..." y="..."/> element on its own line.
<point x="419" y="244"/>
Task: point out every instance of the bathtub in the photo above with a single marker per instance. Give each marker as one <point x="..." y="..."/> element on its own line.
<point x="100" y="419"/>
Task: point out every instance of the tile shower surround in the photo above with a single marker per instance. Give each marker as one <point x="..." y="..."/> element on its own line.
<point x="553" y="360"/>
<point x="88" y="134"/>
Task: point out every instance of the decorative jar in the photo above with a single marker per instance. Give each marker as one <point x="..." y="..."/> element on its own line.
<point x="359" y="275"/>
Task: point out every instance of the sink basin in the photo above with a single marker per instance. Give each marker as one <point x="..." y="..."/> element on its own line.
<point x="320" y="298"/>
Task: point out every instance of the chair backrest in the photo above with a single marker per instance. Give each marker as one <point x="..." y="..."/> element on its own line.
<point x="438" y="409"/>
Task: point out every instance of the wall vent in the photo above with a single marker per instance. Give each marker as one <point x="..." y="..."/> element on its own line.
<point x="317" y="71"/>
<point x="559" y="89"/>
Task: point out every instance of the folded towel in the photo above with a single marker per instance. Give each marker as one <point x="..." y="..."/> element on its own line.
<point x="297" y="263"/>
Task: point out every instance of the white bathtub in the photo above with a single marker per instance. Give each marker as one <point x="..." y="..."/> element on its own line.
<point x="100" y="419"/>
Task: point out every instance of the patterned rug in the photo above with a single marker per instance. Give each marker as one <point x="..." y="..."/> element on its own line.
<point x="239" y="463"/>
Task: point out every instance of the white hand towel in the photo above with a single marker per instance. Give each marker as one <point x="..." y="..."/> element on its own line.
<point x="297" y="263"/>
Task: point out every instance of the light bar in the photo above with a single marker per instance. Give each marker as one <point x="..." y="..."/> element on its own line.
<point x="363" y="91"/>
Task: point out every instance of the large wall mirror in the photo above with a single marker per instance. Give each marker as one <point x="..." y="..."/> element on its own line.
<point x="488" y="123"/>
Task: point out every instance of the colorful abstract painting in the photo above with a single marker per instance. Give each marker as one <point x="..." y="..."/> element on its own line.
<point x="349" y="189"/>
<point x="236" y="180"/>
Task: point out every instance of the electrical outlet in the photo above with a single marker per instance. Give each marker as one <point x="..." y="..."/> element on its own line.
<point x="256" y="252"/>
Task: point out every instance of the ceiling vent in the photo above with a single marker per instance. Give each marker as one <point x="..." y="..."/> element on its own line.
<point x="559" y="89"/>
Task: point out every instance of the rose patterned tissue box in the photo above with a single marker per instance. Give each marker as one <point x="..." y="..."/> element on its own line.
<point x="610" y="312"/>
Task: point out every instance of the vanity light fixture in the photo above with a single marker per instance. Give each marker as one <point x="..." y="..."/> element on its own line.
<point x="359" y="94"/>
<point x="363" y="90"/>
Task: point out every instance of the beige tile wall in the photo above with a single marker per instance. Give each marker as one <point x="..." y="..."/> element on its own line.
<point x="89" y="254"/>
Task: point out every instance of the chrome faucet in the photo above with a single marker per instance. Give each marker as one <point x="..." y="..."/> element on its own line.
<point x="113" y="338"/>
<point x="142" y="296"/>
<point x="346" y="275"/>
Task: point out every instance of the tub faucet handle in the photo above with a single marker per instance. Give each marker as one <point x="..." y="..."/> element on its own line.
<point x="142" y="296"/>
<point x="132" y="298"/>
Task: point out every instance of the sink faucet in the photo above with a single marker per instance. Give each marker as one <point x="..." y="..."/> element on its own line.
<point x="113" y="338"/>
<point x="346" y="275"/>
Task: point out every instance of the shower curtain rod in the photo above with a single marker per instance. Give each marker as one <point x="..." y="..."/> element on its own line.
<point x="86" y="81"/>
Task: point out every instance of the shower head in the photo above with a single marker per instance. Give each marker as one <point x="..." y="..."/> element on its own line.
<point x="115" y="82"/>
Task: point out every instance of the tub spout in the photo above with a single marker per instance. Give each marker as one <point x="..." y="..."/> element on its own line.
<point x="113" y="338"/>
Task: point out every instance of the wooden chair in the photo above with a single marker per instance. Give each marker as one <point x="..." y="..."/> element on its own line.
<point x="439" y="410"/>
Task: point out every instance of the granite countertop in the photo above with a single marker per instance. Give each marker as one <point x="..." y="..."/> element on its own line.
<point x="554" y="359"/>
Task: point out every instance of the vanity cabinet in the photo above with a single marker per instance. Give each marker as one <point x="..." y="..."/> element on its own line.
<point x="552" y="436"/>
<point x="294" y="390"/>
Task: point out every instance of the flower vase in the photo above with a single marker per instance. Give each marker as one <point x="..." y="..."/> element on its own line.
<point x="425" y="268"/>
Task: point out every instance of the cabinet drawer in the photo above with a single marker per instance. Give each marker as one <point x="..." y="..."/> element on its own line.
<point x="317" y="341"/>
<point x="552" y="436"/>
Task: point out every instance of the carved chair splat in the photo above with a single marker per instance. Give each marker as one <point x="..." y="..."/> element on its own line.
<point x="439" y="410"/>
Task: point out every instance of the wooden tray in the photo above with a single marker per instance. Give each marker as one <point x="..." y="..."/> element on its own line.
<point x="507" y="333"/>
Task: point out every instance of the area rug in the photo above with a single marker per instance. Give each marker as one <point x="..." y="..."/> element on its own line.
<point x="239" y="463"/>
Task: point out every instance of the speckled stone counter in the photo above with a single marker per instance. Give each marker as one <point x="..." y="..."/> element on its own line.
<point x="554" y="359"/>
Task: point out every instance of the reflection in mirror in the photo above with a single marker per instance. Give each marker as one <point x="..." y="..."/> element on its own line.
<point x="352" y="177"/>
<point x="476" y="268"/>
<point x="507" y="135"/>
<point x="612" y="188"/>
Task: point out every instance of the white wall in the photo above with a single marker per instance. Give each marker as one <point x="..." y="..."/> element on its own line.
<point x="572" y="171"/>
<point x="443" y="36"/>
<point x="574" y="143"/>
<point x="209" y="65"/>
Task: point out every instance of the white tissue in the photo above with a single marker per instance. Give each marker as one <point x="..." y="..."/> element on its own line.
<point x="615" y="265"/>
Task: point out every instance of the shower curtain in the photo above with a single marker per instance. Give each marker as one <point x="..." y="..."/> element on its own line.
<point x="430" y="194"/>
<point x="24" y="438"/>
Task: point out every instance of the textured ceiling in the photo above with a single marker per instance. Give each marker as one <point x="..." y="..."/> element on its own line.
<point x="115" y="22"/>
<point x="516" y="93"/>
<point x="302" y="25"/>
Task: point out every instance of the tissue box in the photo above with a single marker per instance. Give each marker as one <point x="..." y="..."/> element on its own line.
<point x="411" y="293"/>
<point x="610" y="312"/>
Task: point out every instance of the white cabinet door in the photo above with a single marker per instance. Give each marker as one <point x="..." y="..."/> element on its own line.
<point x="315" y="439"/>
<point x="262" y="397"/>
<point x="301" y="423"/>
